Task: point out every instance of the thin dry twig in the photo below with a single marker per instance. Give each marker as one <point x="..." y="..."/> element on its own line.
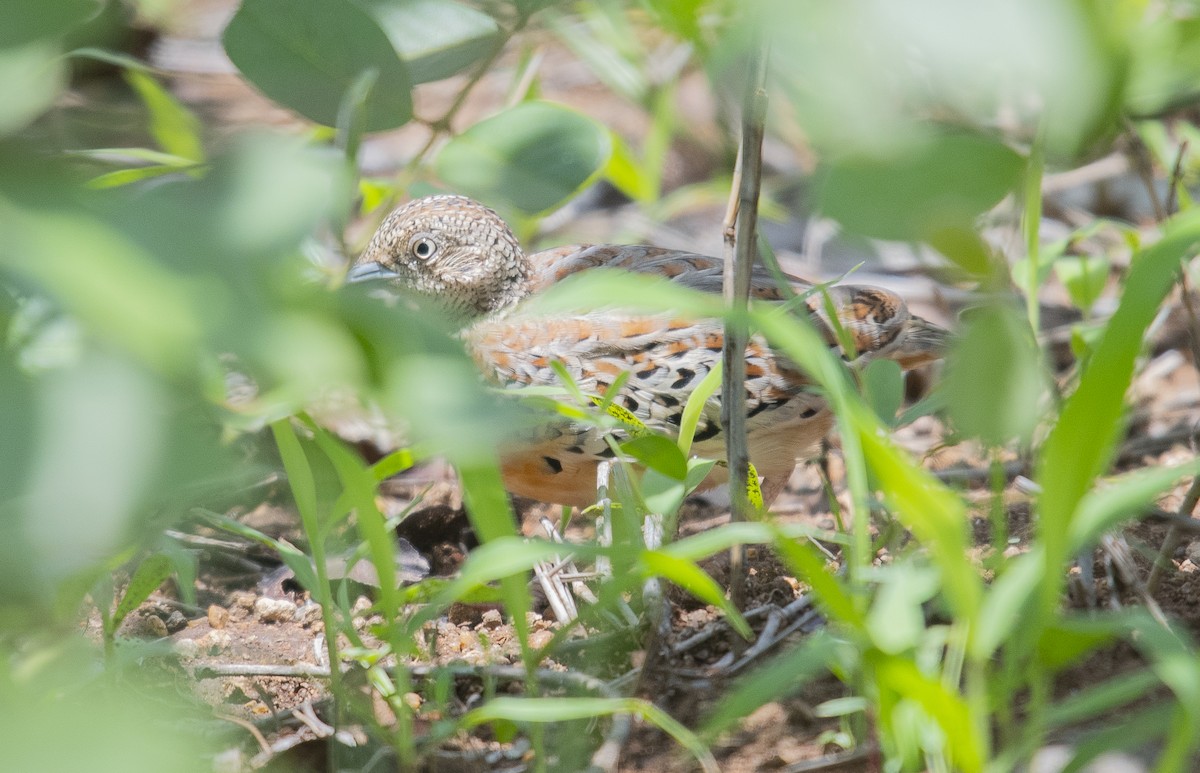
<point x="1144" y="164"/>
<point x="250" y="728"/>
<point x="782" y="622"/>
<point x="213" y="670"/>
<point x="832" y="761"/>
<point x="1173" y="539"/>
<point x="1118" y="553"/>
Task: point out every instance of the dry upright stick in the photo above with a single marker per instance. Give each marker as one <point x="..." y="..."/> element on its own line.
<point x="741" y="220"/>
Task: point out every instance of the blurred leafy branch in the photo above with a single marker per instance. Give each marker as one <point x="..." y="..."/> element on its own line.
<point x="131" y="277"/>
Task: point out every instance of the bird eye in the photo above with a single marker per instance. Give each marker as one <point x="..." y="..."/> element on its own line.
<point x="423" y="247"/>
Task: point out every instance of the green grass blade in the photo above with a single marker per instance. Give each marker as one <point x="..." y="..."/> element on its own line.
<point x="1080" y="446"/>
<point x="777" y="678"/>
<point x="552" y="710"/>
<point x="150" y="574"/>
<point x="694" y="407"/>
<point x="902" y="677"/>
<point x="1120" y="499"/>
<point x="359" y="485"/>
<point x="695" y="581"/>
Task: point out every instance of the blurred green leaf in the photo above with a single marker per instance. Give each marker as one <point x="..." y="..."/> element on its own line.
<point x="1022" y="266"/>
<point x="118" y="290"/>
<point x="1004" y="603"/>
<point x="29" y="20"/>
<point x="941" y="183"/>
<point x="1122" y="498"/>
<point x="529" y="7"/>
<point x="661" y="493"/>
<point x="1172" y="655"/>
<point x="242" y="222"/>
<point x="680" y="17"/>
<point x="697" y="470"/>
<point x="111" y="729"/>
<point x="104" y="420"/>
<point x="896" y="621"/>
<point x="638" y="292"/>
<point x="883" y="387"/>
<point x="149" y="575"/>
<point x="562" y="709"/>
<point x="1165" y="65"/>
<point x="963" y="245"/>
<point x="114" y="58"/>
<point x="533" y="156"/>
<point x="601" y="36"/>
<point x="1084" y="276"/>
<point x="658" y="453"/>
<point x="436" y="38"/>
<point x="132" y="155"/>
<point x="184" y="565"/>
<point x="1062" y="643"/>
<point x="136" y="175"/>
<point x="995" y="379"/>
<point x="693" y="409"/>
<point x="1097" y="699"/>
<point x="841" y="707"/>
<point x="171" y="124"/>
<point x="500" y="557"/>
<point x="699" y="546"/>
<point x="955" y="718"/>
<point x="1080" y="446"/>
<point x="31" y="76"/>
<point x="924" y="505"/>
<point x="1138" y="730"/>
<point x="306" y="54"/>
<point x="17" y="437"/>
<point x="626" y="173"/>
<point x="867" y="75"/>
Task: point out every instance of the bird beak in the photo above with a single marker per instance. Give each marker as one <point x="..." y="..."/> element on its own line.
<point x="370" y="272"/>
<point x="924" y="342"/>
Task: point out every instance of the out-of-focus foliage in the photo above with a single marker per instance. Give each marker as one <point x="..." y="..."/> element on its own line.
<point x="308" y="54"/>
<point x="869" y="76"/>
<point x="534" y="156"/>
<point x="435" y="38"/>
<point x="996" y="383"/>
<point x="162" y="299"/>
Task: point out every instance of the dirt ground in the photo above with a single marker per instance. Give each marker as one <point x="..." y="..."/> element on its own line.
<point x="251" y="627"/>
<point x="251" y="644"/>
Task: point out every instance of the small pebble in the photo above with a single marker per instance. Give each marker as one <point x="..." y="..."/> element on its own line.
<point x="154" y="627"/>
<point x="218" y="617"/>
<point x="310" y="613"/>
<point x="214" y="641"/>
<point x="176" y="621"/>
<point x="274" y="610"/>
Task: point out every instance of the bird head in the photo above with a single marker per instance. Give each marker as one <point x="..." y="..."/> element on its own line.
<point x="450" y="248"/>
